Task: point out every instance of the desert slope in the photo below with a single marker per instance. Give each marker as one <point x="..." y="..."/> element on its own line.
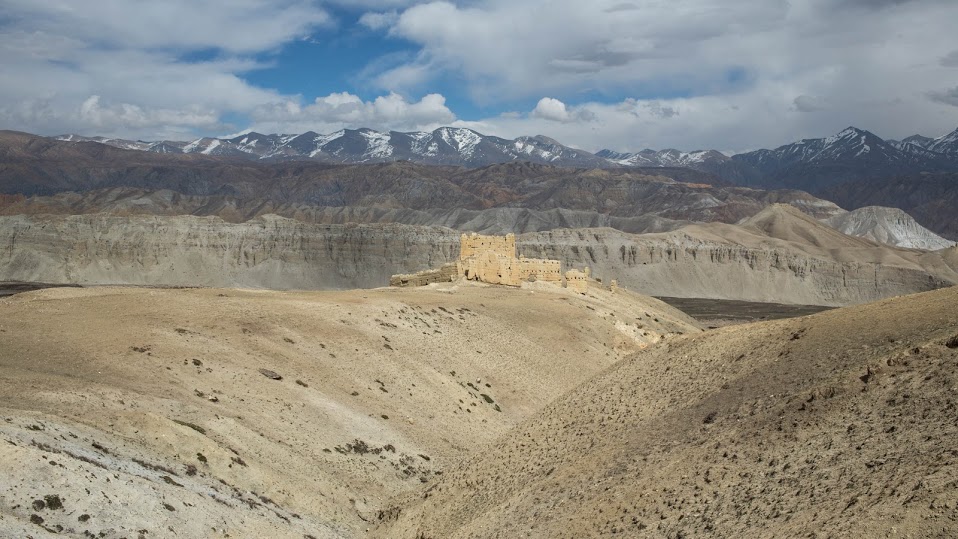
<point x="839" y="424"/>
<point x="148" y="409"/>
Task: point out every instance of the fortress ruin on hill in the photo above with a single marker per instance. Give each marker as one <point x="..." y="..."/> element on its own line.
<point x="493" y="260"/>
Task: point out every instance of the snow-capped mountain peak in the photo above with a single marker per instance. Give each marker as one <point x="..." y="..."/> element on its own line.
<point x="664" y="158"/>
<point x="946" y="144"/>
<point x="851" y="149"/>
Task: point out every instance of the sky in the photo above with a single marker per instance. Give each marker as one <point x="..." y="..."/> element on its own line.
<point x="731" y="75"/>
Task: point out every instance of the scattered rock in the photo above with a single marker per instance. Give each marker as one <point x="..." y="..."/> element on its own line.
<point x="270" y="374"/>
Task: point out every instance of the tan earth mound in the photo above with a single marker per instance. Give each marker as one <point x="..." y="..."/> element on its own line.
<point x="229" y="413"/>
<point x="841" y="424"/>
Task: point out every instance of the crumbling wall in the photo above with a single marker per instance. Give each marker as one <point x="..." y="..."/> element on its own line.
<point x="489" y="259"/>
<point x="446" y="273"/>
<point x="475" y="244"/>
<point x="540" y="269"/>
<point x="577" y="281"/>
<point x="490" y="267"/>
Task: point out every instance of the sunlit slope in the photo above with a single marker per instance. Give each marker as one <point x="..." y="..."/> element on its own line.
<point x="162" y="410"/>
<point x="840" y="424"/>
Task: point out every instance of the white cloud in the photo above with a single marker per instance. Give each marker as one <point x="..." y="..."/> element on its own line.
<point x="554" y="110"/>
<point x="733" y="74"/>
<point x="123" y="68"/>
<point x="345" y="110"/>
<point x="92" y="112"/>
<point x="378" y="20"/>
<point x="551" y="109"/>
<point x="241" y="26"/>
<point x="623" y="74"/>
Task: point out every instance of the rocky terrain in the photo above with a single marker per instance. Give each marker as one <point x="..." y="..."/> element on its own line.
<point x="228" y="413"/>
<point x="839" y="424"/>
<point x="780" y="255"/>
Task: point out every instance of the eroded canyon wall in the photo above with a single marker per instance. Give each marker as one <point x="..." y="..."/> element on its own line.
<point x="266" y="252"/>
<point x="271" y="252"/>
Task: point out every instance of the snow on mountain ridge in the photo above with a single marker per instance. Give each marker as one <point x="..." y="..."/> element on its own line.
<point x="378" y="146"/>
<point x="461" y="146"/>
<point x="215" y="143"/>
<point x="664" y="158"/>
<point x="945" y="144"/>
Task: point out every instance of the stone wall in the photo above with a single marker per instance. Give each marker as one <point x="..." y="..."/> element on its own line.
<point x="474" y="244"/>
<point x="444" y="274"/>
<point x="488" y="259"/>
<point x="490" y="267"/>
<point x="540" y="269"/>
<point x="577" y="281"/>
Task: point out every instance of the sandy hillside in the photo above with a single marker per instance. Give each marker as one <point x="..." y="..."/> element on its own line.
<point x="146" y="409"/>
<point x="841" y="424"/>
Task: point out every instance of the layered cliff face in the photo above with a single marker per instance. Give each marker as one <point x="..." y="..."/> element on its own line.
<point x="268" y="252"/>
<point x="681" y="265"/>
<point x="706" y="261"/>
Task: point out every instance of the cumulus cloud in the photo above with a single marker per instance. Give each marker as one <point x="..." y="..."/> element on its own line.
<point x="554" y="110"/>
<point x="751" y="67"/>
<point x="133" y="57"/>
<point x="622" y="74"/>
<point x="345" y="110"/>
<point x="551" y="109"/>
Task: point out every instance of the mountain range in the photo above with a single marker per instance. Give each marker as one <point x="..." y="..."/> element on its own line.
<point x="42" y="175"/>
<point x="853" y="152"/>
<point x="854" y="168"/>
<point x="444" y="146"/>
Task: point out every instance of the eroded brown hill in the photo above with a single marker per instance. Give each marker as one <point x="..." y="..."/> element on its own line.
<point x="840" y="424"/>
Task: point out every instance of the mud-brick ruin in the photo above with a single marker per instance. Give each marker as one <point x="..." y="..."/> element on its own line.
<point x="493" y="260"/>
